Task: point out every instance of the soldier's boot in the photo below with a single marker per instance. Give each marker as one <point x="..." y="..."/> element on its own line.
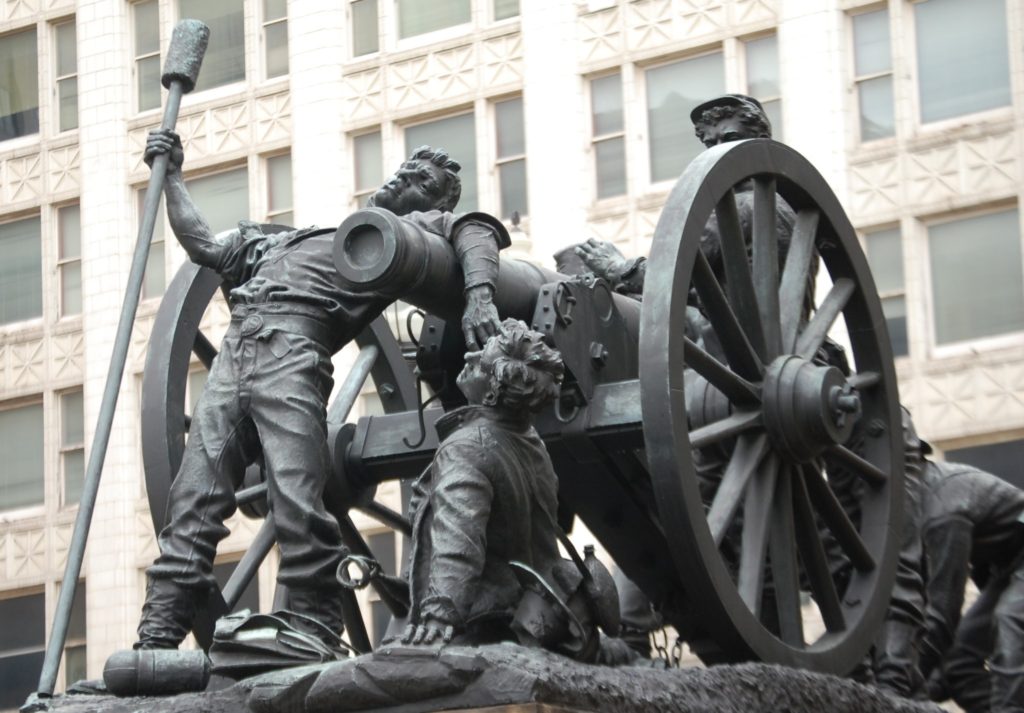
<point x="167" y="614"/>
<point x="323" y="605"/>
<point x="896" y="666"/>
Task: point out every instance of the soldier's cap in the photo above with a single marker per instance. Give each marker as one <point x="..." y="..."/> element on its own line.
<point x="741" y="101"/>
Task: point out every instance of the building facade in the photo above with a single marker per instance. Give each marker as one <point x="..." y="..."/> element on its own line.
<point x="570" y="119"/>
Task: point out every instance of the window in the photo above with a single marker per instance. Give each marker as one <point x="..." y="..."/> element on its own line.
<point x="365" y="33"/>
<point x="155" y="278"/>
<point x="222" y="198"/>
<point x="762" y="57"/>
<point x="608" y="135"/>
<point x="672" y="92"/>
<point x="146" y="16"/>
<point x="977" y="287"/>
<point x="416" y="17"/>
<point x="22" y="645"/>
<point x="504" y="9"/>
<point x="224" y="61"/>
<point x="72" y="445"/>
<point x="250" y="598"/>
<point x="885" y="255"/>
<point x="194" y="387"/>
<point x="279" y="190"/>
<point x="21" y="452"/>
<point x="962" y="57"/>
<point x="872" y="68"/>
<point x="1002" y="459"/>
<point x="67" y="75"/>
<point x="69" y="259"/>
<point x="275" y="37"/>
<point x="457" y="135"/>
<point x="510" y="155"/>
<point x="382" y="546"/>
<point x="21" y="271"/>
<point x="368" y="166"/>
<point x="74" y="645"/>
<point x="19" y="85"/>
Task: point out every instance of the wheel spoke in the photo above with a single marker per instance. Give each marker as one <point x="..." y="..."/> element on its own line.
<point x="858" y="465"/>
<point x="728" y="427"/>
<point x="203" y="349"/>
<point x="739" y="284"/>
<point x="812" y="554"/>
<point x="387" y="516"/>
<point x="817" y="329"/>
<point x="837" y="521"/>
<point x="353" y="384"/>
<point x="251" y="494"/>
<point x="738" y="350"/>
<point x="795" y="276"/>
<point x="766" y="264"/>
<point x="785" y="573"/>
<point x="865" y="380"/>
<point x="246" y="568"/>
<point x="746" y="458"/>
<point x="754" y="544"/>
<point x="735" y="387"/>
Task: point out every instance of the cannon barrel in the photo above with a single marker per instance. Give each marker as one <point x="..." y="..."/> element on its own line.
<point x="378" y="251"/>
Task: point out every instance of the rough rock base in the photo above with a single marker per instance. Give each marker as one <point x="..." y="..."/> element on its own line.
<point x="510" y="679"/>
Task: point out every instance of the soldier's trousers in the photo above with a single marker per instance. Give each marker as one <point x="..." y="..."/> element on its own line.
<point x="992" y="630"/>
<point x="268" y="387"/>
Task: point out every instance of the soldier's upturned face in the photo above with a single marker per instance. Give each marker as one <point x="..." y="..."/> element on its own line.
<point x="416" y="186"/>
<point x="473" y="381"/>
<point x="725" y="130"/>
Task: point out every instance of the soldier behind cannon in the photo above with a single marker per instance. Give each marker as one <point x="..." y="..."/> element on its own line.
<point x="490" y="496"/>
<point x="972" y="523"/>
<point x="269" y="384"/>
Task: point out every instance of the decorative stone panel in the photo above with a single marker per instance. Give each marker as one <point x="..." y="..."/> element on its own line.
<point x="62" y="168"/>
<point x="60" y="542"/>
<point x="67" y="357"/>
<point x="24" y="366"/>
<point x="26" y="554"/>
<point x="273" y="114"/>
<point x="21" y="179"/>
<point x="18" y="9"/>
<point x="364" y="94"/>
<point x="602" y="36"/>
<point x="875" y="187"/>
<point x="500" y="61"/>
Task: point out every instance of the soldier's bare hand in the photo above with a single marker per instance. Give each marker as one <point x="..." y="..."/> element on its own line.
<point x="428" y="633"/>
<point x="480" y="320"/>
<point x="604" y="259"/>
<point x="164" y="141"/>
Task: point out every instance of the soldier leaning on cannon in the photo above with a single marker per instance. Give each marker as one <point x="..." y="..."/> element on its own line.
<point x="269" y="384"/>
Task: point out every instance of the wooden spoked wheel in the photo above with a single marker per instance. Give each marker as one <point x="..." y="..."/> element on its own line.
<point x="807" y="491"/>
<point x="176" y="337"/>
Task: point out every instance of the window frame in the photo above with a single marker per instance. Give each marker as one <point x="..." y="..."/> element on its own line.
<point x="264" y="46"/>
<point x="65" y="449"/>
<point x="270" y="213"/>
<point x="23" y="511"/>
<point x="44" y="108"/>
<point x="137" y="57"/>
<point x="45" y="312"/>
<point x="498" y="161"/>
<point x="596" y="138"/>
<point x="856" y="80"/>
<point x="58" y="78"/>
<point x="864" y="235"/>
<point x="62" y="260"/>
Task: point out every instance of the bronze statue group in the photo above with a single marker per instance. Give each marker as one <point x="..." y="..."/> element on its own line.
<point x="484" y="564"/>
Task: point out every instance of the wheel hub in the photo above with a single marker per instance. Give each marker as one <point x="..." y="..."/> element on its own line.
<point x="807" y="407"/>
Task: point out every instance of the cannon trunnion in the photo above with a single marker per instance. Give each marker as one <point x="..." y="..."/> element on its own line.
<point x="715" y="439"/>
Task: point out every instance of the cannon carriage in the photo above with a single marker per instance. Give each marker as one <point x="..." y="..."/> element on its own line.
<point x="807" y="492"/>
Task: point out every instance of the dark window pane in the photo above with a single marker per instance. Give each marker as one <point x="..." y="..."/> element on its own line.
<point x="277" y="49"/>
<point x="416" y="16"/>
<point x="21" y="271"/>
<point x="1002" y="459"/>
<point x="364" y="27"/>
<point x="763" y="67"/>
<point x="70" y="230"/>
<point x="871" y="47"/>
<point x="974" y="295"/>
<point x="876" y="108"/>
<point x="508" y="116"/>
<point x="672" y="92"/>
<point x="72" y="420"/>
<point x="24" y="622"/>
<point x="457" y="135"/>
<point x="606" y="104"/>
<point x="21" y="452"/>
<point x="895" y="311"/>
<point x="74" y="476"/>
<point x="382" y="545"/>
<point x="149" y="82"/>
<point x="505" y="8"/>
<point x="19" y="85"/>
<point x="76" y="625"/>
<point x="71" y="288"/>
<point x="250" y="598"/>
<point x="74" y="665"/>
<point x="610" y="160"/>
<point x="223" y="198"/>
<point x="963" y="61"/>
<point x="147" y="27"/>
<point x="380" y="617"/>
<point x="67" y="49"/>
<point x="773" y="110"/>
<point x="279" y="183"/>
<point x="885" y="255"/>
<point x="512" y="177"/>
<point x="67" y="97"/>
<point x="224" y="61"/>
<point x="274" y="9"/>
<point x="368" y="161"/>
<point x="20" y="676"/>
<point x="155" y="279"/>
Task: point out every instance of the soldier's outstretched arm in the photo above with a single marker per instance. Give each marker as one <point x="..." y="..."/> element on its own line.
<point x="188" y="224"/>
<point x="477" y="244"/>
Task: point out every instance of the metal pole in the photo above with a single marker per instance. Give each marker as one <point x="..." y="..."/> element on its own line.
<point x="184" y="56"/>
